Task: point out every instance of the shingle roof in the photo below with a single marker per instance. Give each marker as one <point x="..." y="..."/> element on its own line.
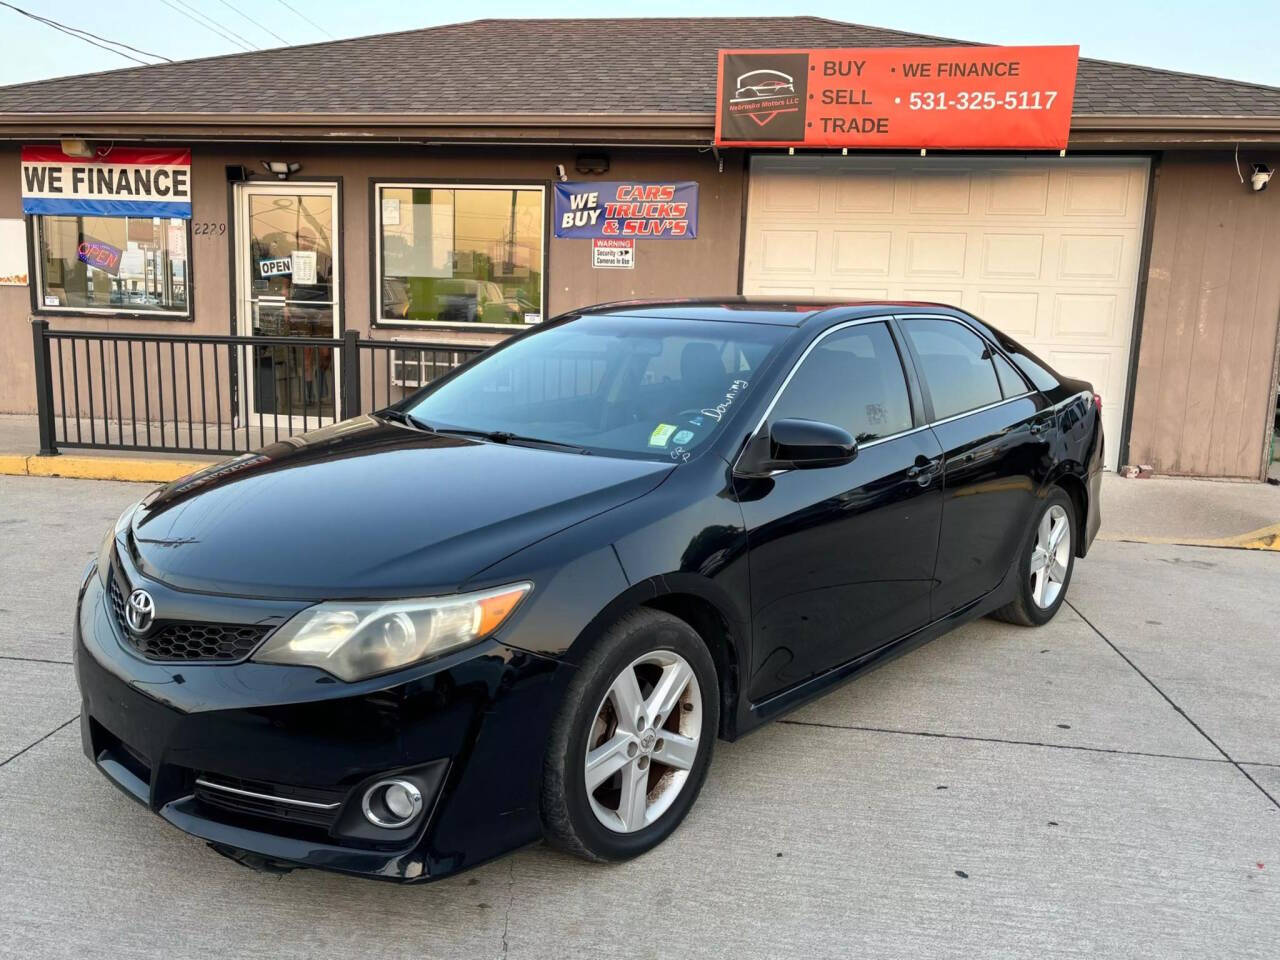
<point x="620" y="66"/>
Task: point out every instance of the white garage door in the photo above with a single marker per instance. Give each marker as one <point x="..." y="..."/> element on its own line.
<point x="1046" y="250"/>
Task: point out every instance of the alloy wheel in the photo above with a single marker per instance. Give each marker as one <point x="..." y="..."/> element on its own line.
<point x="1050" y="556"/>
<point x="643" y="741"/>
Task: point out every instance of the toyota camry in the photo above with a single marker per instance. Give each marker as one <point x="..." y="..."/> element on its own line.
<point x="525" y="601"/>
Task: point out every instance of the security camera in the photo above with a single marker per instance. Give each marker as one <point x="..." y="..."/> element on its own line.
<point x="564" y="176"/>
<point x="1260" y="176"/>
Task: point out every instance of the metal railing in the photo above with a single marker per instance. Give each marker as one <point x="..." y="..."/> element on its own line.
<point x="199" y="394"/>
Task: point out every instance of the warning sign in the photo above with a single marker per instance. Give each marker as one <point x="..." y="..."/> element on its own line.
<point x="609" y="253"/>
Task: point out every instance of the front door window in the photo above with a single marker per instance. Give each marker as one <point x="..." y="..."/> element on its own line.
<point x="853" y="379"/>
<point x="289" y="291"/>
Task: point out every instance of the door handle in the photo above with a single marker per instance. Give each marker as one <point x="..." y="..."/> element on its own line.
<point x="1039" y="426"/>
<point x="923" y="471"/>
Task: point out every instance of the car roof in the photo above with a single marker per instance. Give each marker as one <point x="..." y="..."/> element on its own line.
<point x="781" y="311"/>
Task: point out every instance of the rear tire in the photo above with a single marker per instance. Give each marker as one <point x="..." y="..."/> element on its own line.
<point x="1045" y="563"/>
<point x="631" y="744"/>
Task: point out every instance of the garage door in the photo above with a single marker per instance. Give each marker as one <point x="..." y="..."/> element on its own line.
<point x="1046" y="250"/>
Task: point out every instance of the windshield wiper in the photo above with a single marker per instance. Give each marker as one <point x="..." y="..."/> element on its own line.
<point x="506" y="436"/>
<point x="408" y="419"/>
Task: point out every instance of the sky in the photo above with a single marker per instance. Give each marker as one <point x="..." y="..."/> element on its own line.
<point x="1237" y="41"/>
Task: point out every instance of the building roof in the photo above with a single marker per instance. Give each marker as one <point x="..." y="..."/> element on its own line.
<point x="607" y="67"/>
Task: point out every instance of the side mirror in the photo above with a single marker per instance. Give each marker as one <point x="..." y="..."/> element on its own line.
<point x="798" y="445"/>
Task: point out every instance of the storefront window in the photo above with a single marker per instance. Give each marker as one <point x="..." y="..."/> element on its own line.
<point x="460" y="254"/>
<point x="117" y="264"/>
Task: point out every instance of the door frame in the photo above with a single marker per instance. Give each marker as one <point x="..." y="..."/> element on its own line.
<point x="237" y="273"/>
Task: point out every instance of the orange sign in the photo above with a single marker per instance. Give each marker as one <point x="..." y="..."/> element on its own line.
<point x="958" y="98"/>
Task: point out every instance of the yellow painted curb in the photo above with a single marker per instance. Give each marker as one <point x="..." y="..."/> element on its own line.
<point x="99" y="468"/>
<point x="13" y="464"/>
<point x="1264" y="538"/>
<point x="1268" y="538"/>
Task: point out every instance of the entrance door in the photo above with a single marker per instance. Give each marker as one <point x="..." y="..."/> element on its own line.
<point x="287" y="287"/>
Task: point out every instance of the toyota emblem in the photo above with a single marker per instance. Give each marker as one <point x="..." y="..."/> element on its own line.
<point x="140" y="611"/>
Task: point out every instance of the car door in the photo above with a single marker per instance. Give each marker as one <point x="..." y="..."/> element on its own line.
<point x="842" y="557"/>
<point x="992" y="427"/>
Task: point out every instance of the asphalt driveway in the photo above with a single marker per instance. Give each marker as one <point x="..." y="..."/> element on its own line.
<point x="1106" y="786"/>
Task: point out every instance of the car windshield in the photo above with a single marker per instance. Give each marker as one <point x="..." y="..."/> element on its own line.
<point x="613" y="385"/>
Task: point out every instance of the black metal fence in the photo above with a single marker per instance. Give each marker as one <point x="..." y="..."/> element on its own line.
<point x="195" y="394"/>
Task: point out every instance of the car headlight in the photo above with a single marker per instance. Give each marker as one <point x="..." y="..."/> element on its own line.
<point x="353" y="641"/>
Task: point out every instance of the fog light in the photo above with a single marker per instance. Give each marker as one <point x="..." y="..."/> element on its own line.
<point x="392" y="803"/>
<point x="400" y="801"/>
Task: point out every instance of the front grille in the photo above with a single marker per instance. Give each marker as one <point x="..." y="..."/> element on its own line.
<point x="257" y="798"/>
<point x="178" y="640"/>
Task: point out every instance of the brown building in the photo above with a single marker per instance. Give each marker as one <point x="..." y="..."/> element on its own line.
<point x="401" y="186"/>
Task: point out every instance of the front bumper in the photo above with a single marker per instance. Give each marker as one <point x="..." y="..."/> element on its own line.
<point x="472" y="726"/>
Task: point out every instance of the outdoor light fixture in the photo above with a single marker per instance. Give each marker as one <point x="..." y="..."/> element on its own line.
<point x="76" y="147"/>
<point x="1259" y="174"/>
<point x="1259" y="177"/>
<point x="281" y="168"/>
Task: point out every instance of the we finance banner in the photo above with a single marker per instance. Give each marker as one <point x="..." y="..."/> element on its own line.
<point x="959" y="98"/>
<point x="116" y="181"/>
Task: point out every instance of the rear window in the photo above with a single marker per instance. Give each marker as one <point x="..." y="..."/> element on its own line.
<point x="1031" y="365"/>
<point x="1035" y="369"/>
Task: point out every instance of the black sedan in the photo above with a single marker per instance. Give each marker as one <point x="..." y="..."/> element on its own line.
<point x="526" y="601"/>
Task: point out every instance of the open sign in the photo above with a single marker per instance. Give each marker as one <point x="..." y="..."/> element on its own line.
<point x="275" y="267"/>
<point x="101" y="255"/>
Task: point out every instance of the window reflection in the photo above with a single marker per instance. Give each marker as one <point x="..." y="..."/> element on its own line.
<point x="113" y="263"/>
<point x="460" y="255"/>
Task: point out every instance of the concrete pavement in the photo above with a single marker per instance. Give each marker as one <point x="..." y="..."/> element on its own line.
<point x="1105" y="786"/>
<point x="1186" y="510"/>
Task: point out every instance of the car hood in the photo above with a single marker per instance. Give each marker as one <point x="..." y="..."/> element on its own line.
<point x="368" y="508"/>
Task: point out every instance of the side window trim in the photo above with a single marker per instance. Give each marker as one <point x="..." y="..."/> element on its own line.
<point x="909" y="373"/>
<point x="933" y="420"/>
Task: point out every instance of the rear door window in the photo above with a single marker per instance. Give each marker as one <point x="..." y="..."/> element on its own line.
<point x="955" y="364"/>
<point x="853" y="378"/>
<point x="1011" y="381"/>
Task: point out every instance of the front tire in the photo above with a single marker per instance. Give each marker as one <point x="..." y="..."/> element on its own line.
<point x="632" y="742"/>
<point x="1045" y="563"/>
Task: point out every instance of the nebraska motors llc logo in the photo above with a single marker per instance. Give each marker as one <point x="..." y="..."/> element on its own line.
<point x="763" y="96"/>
